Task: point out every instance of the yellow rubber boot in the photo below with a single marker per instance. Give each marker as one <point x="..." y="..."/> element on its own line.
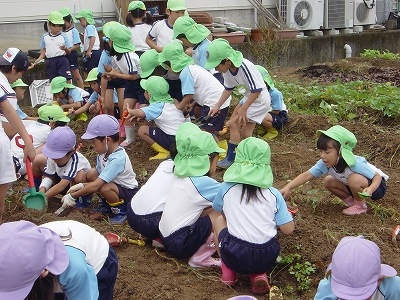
<point x="162" y="153"/>
<point x="224" y="145"/>
<point x="271" y="133"/>
<point x="260" y="130"/>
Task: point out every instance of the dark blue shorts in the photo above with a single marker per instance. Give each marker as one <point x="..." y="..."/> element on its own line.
<point x="116" y="83"/>
<point x="184" y="242"/>
<point x="107" y="276"/>
<point x="278" y="120"/>
<point x="73" y="60"/>
<point x="146" y="225"/>
<point x="247" y="258"/>
<point x="126" y="194"/>
<point x="92" y="62"/>
<point x="214" y="124"/>
<point x="161" y="138"/>
<point x="58" y="66"/>
<point x="175" y="89"/>
<point x="133" y="90"/>
<point x="379" y="192"/>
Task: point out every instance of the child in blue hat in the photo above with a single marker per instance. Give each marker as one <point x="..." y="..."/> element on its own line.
<point x="252" y="213"/>
<point x="113" y="176"/>
<point x="348" y="175"/>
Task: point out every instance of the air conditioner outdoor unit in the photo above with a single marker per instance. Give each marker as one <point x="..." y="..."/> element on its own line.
<point x="338" y="14"/>
<point x="364" y="12"/>
<point x="302" y="14"/>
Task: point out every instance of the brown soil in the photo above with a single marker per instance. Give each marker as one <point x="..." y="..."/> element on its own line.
<point x="145" y="273"/>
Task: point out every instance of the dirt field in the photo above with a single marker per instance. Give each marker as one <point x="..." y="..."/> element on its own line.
<point x="146" y="273"/>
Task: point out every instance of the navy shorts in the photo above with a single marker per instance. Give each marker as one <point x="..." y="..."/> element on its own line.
<point x="175" y="89"/>
<point x="125" y="193"/>
<point x="107" y="276"/>
<point x="184" y="242"/>
<point x="133" y="90"/>
<point x="58" y="66"/>
<point x="92" y="62"/>
<point x="278" y="120"/>
<point x="161" y="138"/>
<point x="146" y="225"/>
<point x="216" y="123"/>
<point x="379" y="192"/>
<point x="245" y="257"/>
<point x="116" y="83"/>
<point x="73" y="60"/>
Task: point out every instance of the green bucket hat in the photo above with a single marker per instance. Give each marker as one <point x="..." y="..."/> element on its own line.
<point x="66" y="12"/>
<point x="92" y="75"/>
<point x="52" y="112"/>
<point x="58" y="84"/>
<point x="136" y="5"/>
<point x="218" y="50"/>
<point x="173" y="52"/>
<point x="195" y="33"/>
<point x="194" y="146"/>
<point x="252" y="164"/>
<point x="176" y="5"/>
<point x="148" y="62"/>
<point x="346" y="139"/>
<point x="121" y="37"/>
<point x="265" y="75"/>
<point x="158" y="88"/>
<point x="56" y="18"/>
<point x="18" y="82"/>
<point x="86" y="14"/>
<point x="107" y="26"/>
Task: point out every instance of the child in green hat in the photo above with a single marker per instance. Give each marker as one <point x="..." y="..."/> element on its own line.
<point x="348" y="175"/>
<point x="163" y="112"/>
<point x="19" y="87"/>
<point x="186" y="222"/>
<point x="278" y="116"/>
<point x="139" y="22"/>
<point x="256" y="101"/>
<point x="252" y="213"/>
<point x="91" y="41"/>
<point x="127" y="68"/>
<point x="55" y="45"/>
<point x="73" y="35"/>
<point x="197" y="84"/>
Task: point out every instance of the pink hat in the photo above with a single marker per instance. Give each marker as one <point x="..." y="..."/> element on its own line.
<point x="59" y="142"/>
<point x="101" y="125"/>
<point x="356" y="268"/>
<point x="26" y="251"/>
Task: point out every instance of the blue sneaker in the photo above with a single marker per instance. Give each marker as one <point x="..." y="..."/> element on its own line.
<point x="224" y="164"/>
<point x="83" y="202"/>
<point x="104" y="207"/>
<point x="119" y="219"/>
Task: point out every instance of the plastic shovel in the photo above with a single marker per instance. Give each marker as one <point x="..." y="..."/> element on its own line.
<point x="363" y="195"/>
<point x="115" y="240"/>
<point x="33" y="201"/>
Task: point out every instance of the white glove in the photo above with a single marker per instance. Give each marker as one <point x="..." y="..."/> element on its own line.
<point x="67" y="201"/>
<point x="75" y="188"/>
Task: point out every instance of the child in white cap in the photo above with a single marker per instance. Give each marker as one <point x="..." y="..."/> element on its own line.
<point x="253" y="211"/>
<point x="13" y="63"/>
<point x="255" y="104"/>
<point x="65" y="166"/>
<point x="356" y="272"/>
<point x="348" y="175"/>
<point x="113" y="176"/>
<point x="164" y="113"/>
<point x="186" y="222"/>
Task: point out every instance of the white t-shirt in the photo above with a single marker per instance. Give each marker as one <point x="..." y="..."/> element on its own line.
<point x="139" y="33"/>
<point x="52" y="44"/>
<point x="153" y="194"/>
<point x="84" y="238"/>
<point x="161" y="32"/>
<point x="76" y="163"/>
<point x="128" y="64"/>
<point x="90" y="31"/>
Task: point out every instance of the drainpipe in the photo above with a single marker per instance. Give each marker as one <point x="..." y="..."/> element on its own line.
<point x="347" y="48"/>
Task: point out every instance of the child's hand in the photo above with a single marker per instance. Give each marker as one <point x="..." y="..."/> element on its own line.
<point x="214" y="111"/>
<point x="285" y="192"/>
<point x="68" y="201"/>
<point x="75" y="188"/>
<point x="107" y="68"/>
<point x="242" y="116"/>
<point x="29" y="151"/>
<point x="71" y="111"/>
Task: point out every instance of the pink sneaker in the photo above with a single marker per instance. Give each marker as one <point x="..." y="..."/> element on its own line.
<point x="259" y="284"/>
<point x="349" y="201"/>
<point x="355" y="210"/>
<point x="228" y="276"/>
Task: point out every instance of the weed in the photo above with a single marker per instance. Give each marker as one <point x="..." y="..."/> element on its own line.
<point x="383" y="212"/>
<point x="312" y="198"/>
<point x="376" y="54"/>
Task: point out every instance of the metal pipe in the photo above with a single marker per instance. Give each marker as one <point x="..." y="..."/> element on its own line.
<point x="348" y="50"/>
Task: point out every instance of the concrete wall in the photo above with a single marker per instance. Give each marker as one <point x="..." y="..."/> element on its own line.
<point x="307" y="51"/>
